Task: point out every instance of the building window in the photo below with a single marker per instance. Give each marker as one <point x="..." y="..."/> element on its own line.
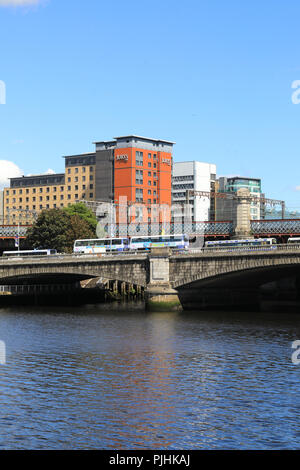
<point x="138" y="194"/>
<point x="149" y="155"/>
<point x="138" y="176"/>
<point x="149" y="183"/>
<point x="149" y="173"/>
<point x="139" y="158"/>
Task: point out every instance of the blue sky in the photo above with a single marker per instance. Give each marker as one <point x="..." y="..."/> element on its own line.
<point x="214" y="76"/>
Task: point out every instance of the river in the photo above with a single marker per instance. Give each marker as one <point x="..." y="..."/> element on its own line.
<point x="103" y="377"/>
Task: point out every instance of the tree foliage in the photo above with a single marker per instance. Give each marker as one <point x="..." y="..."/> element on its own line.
<point x="84" y="213"/>
<point x="57" y="229"/>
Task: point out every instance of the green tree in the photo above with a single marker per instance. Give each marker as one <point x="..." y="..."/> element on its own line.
<point x="78" y="229"/>
<point x="84" y="212"/>
<point x="57" y="229"/>
<point x="49" y="231"/>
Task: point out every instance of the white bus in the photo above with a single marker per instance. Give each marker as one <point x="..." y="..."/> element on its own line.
<point x="100" y="245"/>
<point x="180" y="242"/>
<point x="249" y="243"/>
<point x="293" y="240"/>
<point x="29" y="253"/>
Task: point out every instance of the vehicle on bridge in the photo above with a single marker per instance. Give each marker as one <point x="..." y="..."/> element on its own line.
<point x="180" y="242"/>
<point x="26" y="253"/>
<point x="248" y="244"/>
<point x="100" y="245"/>
<point x="106" y="245"/>
<point x="294" y="240"/>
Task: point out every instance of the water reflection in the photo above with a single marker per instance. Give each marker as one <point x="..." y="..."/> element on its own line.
<point x="96" y="379"/>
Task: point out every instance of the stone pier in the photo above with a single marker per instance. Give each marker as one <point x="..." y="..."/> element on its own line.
<point x="159" y="294"/>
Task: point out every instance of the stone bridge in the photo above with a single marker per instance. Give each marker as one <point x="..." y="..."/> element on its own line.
<point x="163" y="275"/>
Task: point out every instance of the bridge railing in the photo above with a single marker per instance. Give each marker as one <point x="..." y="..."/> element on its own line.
<point x="205" y="228"/>
<point x="11" y="231"/>
<point x="275" y="227"/>
<point x="173" y="228"/>
<point x="247" y="249"/>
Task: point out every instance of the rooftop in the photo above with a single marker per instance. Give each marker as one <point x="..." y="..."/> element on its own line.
<point x="133" y="136"/>
<point x="43" y="175"/>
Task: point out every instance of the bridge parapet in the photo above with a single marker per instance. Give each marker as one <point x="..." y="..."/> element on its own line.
<point x="274" y="227"/>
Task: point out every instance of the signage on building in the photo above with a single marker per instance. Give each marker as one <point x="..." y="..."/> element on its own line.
<point x="122" y="157"/>
<point x="166" y="160"/>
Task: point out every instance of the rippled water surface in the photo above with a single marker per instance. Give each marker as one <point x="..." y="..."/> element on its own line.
<point x="90" y="378"/>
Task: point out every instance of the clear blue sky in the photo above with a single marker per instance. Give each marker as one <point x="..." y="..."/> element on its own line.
<point x="213" y="75"/>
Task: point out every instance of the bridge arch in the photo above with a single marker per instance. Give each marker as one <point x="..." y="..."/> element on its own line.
<point x="207" y="270"/>
<point x="128" y="270"/>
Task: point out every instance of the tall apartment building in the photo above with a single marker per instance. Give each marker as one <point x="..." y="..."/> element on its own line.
<point x="231" y="185"/>
<point x="137" y="167"/>
<point x="197" y="176"/>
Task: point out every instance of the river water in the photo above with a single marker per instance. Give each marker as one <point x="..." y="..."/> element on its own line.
<point x="97" y="378"/>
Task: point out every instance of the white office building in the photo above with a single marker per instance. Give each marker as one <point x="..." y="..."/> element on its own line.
<point x="194" y="176"/>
